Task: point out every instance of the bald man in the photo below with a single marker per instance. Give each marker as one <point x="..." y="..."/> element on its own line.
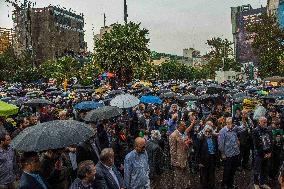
<point x="136" y="167"/>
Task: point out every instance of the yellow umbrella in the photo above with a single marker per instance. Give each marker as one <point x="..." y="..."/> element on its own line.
<point x="7" y="109"/>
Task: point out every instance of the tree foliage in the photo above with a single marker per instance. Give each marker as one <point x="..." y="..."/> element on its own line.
<point x="221" y="55"/>
<point x="268" y="44"/>
<point x="17" y="69"/>
<point x="122" y="50"/>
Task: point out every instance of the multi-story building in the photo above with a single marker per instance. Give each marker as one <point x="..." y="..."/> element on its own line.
<point x="241" y="17"/>
<point x="272" y="6"/>
<point x="48" y="32"/>
<point x="103" y="30"/>
<point x="193" y="58"/>
<point x="6" y="39"/>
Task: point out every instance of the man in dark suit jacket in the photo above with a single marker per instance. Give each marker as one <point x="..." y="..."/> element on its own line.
<point x="88" y="150"/>
<point x="107" y="176"/>
<point x="31" y="178"/>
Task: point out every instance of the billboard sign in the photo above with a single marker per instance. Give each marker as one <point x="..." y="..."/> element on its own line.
<point x="244" y="52"/>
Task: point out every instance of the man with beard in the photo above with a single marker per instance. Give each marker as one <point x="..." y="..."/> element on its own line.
<point x="246" y="125"/>
<point x="179" y="142"/>
<point x="136" y="167"/>
<point x="262" y="141"/>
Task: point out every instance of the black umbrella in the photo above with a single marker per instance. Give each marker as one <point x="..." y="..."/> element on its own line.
<point x="102" y="113"/>
<point x="116" y="92"/>
<point x="164" y="91"/>
<point x="239" y="95"/>
<point x="214" y="89"/>
<point x="38" y="102"/>
<point x="188" y="98"/>
<point x="168" y="95"/>
<point x="241" y="99"/>
<point x="52" y="135"/>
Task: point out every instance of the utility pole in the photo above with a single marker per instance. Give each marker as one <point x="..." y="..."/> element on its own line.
<point x="224" y="57"/>
<point x="104" y="20"/>
<point x="125" y="12"/>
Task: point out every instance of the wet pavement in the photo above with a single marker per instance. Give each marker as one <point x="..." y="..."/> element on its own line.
<point x="243" y="180"/>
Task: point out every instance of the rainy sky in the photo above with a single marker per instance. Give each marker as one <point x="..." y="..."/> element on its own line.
<point x="172" y="24"/>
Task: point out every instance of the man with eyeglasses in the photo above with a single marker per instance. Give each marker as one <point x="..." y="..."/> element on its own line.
<point x="136" y="167"/>
<point x="262" y="141"/>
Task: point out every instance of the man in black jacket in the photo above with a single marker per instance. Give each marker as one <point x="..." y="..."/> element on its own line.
<point x="107" y="176"/>
<point x="207" y="153"/>
<point x="88" y="150"/>
<point x="155" y="158"/>
<point x="31" y="178"/>
<point x="55" y="170"/>
<point x="262" y="141"/>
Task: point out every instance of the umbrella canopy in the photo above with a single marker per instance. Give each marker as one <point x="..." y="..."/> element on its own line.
<point x="88" y="105"/>
<point x="262" y="92"/>
<point x="239" y="95"/>
<point x="116" y="92"/>
<point x="52" y="135"/>
<point x="188" y="98"/>
<point x="151" y="100"/>
<point x="168" y="95"/>
<point x="125" y="101"/>
<point x="102" y="113"/>
<point x="7" y="109"/>
<point x="38" y="102"/>
<point x="214" y="89"/>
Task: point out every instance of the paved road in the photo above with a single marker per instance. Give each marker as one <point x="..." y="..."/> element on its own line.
<point x="243" y="180"/>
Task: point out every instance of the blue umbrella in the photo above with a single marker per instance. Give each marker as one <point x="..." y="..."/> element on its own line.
<point x="151" y="100"/>
<point x="88" y="105"/>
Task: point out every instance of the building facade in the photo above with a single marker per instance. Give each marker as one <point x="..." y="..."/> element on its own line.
<point x="49" y="32"/>
<point x="103" y="30"/>
<point x="7" y="37"/>
<point x="241" y="17"/>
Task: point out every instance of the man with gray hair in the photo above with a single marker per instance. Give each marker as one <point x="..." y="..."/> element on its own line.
<point x="155" y="158"/>
<point x="230" y="149"/>
<point x="107" y="176"/>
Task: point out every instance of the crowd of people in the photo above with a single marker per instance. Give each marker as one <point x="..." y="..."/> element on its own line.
<point x="134" y="150"/>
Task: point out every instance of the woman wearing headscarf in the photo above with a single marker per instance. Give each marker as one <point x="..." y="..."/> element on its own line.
<point x="207" y="153"/>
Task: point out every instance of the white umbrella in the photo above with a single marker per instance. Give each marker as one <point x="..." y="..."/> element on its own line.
<point x="125" y="101"/>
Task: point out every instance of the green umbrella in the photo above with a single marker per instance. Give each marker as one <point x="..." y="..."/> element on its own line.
<point x="7" y="109"/>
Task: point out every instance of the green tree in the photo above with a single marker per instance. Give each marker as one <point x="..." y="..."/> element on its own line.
<point x="122" y="50"/>
<point x="146" y="71"/>
<point x="65" y="67"/>
<point x="268" y="44"/>
<point x="17" y="69"/>
<point x="175" y="70"/>
<point x="8" y="63"/>
<point x="88" y="73"/>
<point x="221" y="55"/>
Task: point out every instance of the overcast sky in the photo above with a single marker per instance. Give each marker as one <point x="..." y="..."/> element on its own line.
<point x="172" y="24"/>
